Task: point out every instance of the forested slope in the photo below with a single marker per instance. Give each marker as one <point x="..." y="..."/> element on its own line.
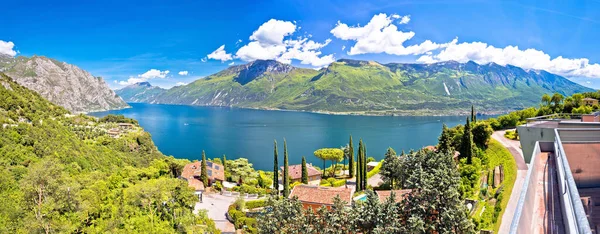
<point x="62" y="173"/>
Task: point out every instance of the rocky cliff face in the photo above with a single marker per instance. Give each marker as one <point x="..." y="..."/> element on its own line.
<point x="61" y="83"/>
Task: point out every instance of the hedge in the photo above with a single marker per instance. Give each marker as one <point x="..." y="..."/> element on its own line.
<point x="332" y="182"/>
<point x="375" y="170"/>
<point x="256" y="203"/>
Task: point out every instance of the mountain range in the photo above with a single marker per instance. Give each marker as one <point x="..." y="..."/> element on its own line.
<point x="61" y="83"/>
<point x="364" y="87"/>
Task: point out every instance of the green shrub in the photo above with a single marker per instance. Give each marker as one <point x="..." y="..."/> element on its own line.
<point x="338" y="183"/>
<point x="256" y="203"/>
<point x="295" y="184"/>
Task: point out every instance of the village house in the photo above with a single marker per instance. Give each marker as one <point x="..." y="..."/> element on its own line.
<point x="589" y="101"/>
<point x="295" y="173"/>
<point x="316" y="196"/>
<point x="399" y="195"/>
<point x="113" y="132"/>
<point x="191" y="173"/>
<point x="125" y="126"/>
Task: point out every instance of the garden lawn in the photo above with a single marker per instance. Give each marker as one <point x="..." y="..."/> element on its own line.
<point x="499" y="155"/>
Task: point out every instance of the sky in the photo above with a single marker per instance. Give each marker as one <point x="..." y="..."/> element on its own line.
<point x="170" y="43"/>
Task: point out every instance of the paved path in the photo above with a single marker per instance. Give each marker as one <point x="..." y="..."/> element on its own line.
<point x="517" y="153"/>
<point x="373" y="181"/>
<point x="217" y="205"/>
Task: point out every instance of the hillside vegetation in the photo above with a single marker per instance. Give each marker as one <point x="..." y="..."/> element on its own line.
<point x="365" y="87"/>
<point x="62" y="173"/>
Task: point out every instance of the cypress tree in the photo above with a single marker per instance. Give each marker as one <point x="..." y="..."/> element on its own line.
<point x="275" y="169"/>
<point x="286" y="175"/>
<point x="224" y="163"/>
<point x="359" y="174"/>
<point x="351" y="159"/>
<point x="304" y="171"/>
<point x="203" y="171"/>
<point x="364" y="167"/>
<point x="473" y="114"/>
<point x="466" y="145"/>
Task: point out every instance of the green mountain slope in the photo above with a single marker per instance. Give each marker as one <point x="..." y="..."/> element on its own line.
<point x="350" y="86"/>
<point x="62" y="173"/>
<point x="139" y="92"/>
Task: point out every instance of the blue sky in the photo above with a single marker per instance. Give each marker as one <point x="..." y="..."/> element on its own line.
<point x="128" y="41"/>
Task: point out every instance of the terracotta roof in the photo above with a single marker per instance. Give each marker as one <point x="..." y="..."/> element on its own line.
<point x="321" y="195"/>
<point x="195" y="183"/>
<point x="295" y="171"/>
<point x="215" y="171"/>
<point x="399" y="194"/>
<point x="430" y="147"/>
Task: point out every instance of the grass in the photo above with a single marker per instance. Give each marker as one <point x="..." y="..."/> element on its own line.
<point x="499" y="155"/>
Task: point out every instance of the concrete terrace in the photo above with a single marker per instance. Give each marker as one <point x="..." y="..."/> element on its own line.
<point x="561" y="193"/>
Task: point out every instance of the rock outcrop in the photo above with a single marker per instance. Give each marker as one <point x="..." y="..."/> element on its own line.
<point x="63" y="84"/>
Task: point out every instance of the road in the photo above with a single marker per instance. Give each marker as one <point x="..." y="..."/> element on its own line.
<point x="517" y="153"/>
<point x="217" y="205"/>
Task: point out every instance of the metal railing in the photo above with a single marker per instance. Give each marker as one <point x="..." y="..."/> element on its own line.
<point x="575" y="217"/>
<point x="558" y="117"/>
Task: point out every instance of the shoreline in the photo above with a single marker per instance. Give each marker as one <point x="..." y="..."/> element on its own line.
<point x="419" y="112"/>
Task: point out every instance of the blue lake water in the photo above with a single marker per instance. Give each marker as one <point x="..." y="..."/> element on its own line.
<point x="184" y="131"/>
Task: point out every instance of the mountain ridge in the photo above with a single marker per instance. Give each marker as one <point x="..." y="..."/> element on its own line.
<point x="368" y="87"/>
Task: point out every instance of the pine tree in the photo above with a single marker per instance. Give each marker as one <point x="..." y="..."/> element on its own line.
<point x="203" y="171"/>
<point x="445" y="141"/>
<point x="351" y="159"/>
<point x="389" y="167"/>
<point x="275" y="169"/>
<point x="304" y="171"/>
<point x="286" y="175"/>
<point x="466" y="145"/>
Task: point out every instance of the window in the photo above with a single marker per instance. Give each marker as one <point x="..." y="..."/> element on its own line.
<point x="216" y="167"/>
<point x="209" y="164"/>
<point x="209" y="172"/>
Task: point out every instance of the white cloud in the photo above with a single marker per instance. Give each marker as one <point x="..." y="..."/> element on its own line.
<point x="405" y="19"/>
<point x="7" y="48"/>
<point x="180" y="83"/>
<point x="220" y="54"/>
<point x="150" y="74"/>
<point x="483" y="53"/>
<point x="273" y="31"/>
<point x="269" y="42"/>
<point x="131" y="80"/>
<point x="154" y="73"/>
<point x="231" y="63"/>
<point x="204" y="59"/>
<point x="183" y="73"/>
<point x="343" y="48"/>
<point x="255" y="50"/>
<point x="380" y="35"/>
<point x="307" y="52"/>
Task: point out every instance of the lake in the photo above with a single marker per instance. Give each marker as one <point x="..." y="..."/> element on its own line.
<point x="184" y="131"/>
